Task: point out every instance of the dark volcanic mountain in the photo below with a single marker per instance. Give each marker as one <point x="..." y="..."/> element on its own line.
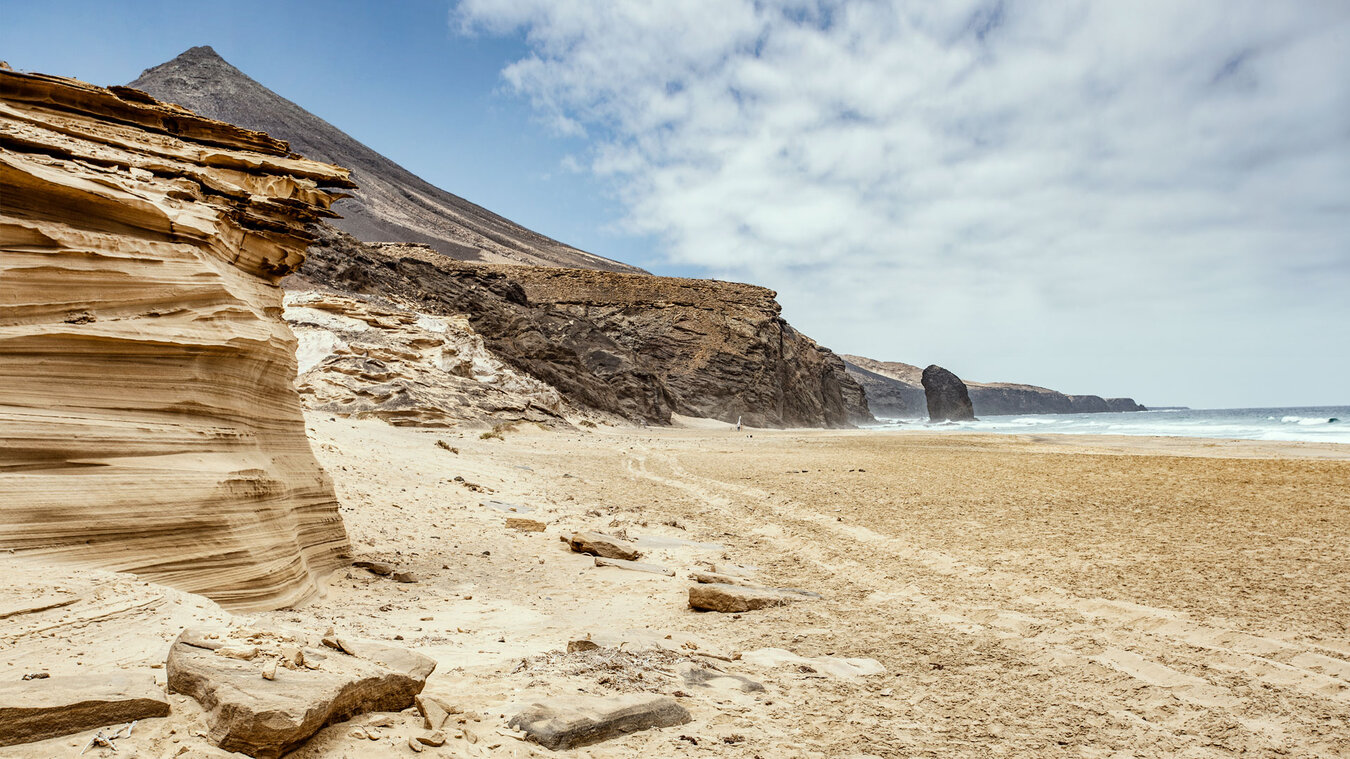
<point x="391" y="204"/>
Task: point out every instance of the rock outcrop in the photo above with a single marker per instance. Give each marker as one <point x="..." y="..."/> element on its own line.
<point x="636" y="346"/>
<point x="148" y="420"/>
<point x="391" y="203"/>
<point x="946" y="394"/>
<point x="895" y="389"/>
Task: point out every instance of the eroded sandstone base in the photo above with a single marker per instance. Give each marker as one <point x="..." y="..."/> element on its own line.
<point x="148" y="421"/>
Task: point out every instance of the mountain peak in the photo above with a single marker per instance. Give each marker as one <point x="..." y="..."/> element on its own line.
<point x="390" y="204"/>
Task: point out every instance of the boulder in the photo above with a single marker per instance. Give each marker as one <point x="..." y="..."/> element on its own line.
<point x="600" y="544"/>
<point x="53" y="706"/>
<point x="948" y="399"/>
<point x="573" y="721"/>
<point x="736" y="598"/>
<point x="267" y="718"/>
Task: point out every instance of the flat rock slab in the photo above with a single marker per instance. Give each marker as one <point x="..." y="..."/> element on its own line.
<point x="833" y="666"/>
<point x="267" y="718"/>
<point x="525" y="525"/>
<point x="715" y="578"/>
<point x="722" y="597"/>
<point x="39" y="709"/>
<point x="600" y="544"/>
<point x="634" y="566"/>
<point x="574" y="721"/>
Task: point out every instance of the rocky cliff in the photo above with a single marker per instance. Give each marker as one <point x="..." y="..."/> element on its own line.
<point x="895" y="389"/>
<point x="636" y="346"/>
<point x="390" y="202"/>
<point x="148" y="420"/>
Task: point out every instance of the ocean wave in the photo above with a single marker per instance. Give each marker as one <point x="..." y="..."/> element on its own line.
<point x="1309" y="420"/>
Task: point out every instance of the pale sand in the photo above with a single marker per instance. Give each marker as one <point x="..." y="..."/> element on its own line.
<point x="1028" y="596"/>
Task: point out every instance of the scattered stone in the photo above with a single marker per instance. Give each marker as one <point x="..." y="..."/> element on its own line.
<point x="269" y="671"/>
<point x="576" y="646"/>
<point x="243" y="653"/>
<point x="469" y="735"/>
<point x="37" y="676"/>
<point x="65" y="705"/>
<point x="434" y="738"/>
<point x="433" y="714"/>
<point x="574" y="721"/>
<point x="525" y="525"/>
<point x="405" y="577"/>
<point x="703" y="677"/>
<point x="600" y="544"/>
<point x="714" y="577"/>
<point x="381" y="720"/>
<point x="380" y="568"/>
<point x="415" y="745"/>
<point x="447" y="446"/>
<point x="634" y="566"/>
<point x="266" y="719"/>
<point x="735" y="598"/>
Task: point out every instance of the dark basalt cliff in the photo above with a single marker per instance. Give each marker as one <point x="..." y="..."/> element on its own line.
<point x="639" y="346"/>
<point x="895" y="389"/>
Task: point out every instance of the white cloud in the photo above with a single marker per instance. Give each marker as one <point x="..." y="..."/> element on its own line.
<point x="1043" y="191"/>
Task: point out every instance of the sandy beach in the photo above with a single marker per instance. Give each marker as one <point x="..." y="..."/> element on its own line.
<point x="1047" y="596"/>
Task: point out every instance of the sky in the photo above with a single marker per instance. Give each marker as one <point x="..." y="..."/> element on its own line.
<point x="1146" y="199"/>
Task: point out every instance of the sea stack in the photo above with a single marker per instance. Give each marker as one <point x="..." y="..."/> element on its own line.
<point x="948" y="399"/>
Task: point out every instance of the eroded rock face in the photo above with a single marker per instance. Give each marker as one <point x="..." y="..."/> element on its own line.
<point x="636" y="346"/>
<point x="148" y="421"/>
<point x="947" y="397"/>
<point x="410" y="369"/>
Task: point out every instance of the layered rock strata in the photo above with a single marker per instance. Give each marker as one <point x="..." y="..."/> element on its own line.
<point x="148" y="420"/>
<point x="636" y="346"/>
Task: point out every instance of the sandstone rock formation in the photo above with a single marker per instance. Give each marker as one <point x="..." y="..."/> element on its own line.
<point x="148" y="421"/>
<point x="636" y="346"/>
<point x="946" y="395"/>
<point x="390" y="203"/>
<point x="266" y="717"/>
<point x="895" y="389"/>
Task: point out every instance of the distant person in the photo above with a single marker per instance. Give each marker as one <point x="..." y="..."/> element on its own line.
<point x="738" y="424"/>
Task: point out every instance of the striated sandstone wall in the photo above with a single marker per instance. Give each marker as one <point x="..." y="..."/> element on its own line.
<point x="148" y="418"/>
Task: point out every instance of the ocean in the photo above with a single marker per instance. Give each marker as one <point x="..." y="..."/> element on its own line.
<point x="1326" y="424"/>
